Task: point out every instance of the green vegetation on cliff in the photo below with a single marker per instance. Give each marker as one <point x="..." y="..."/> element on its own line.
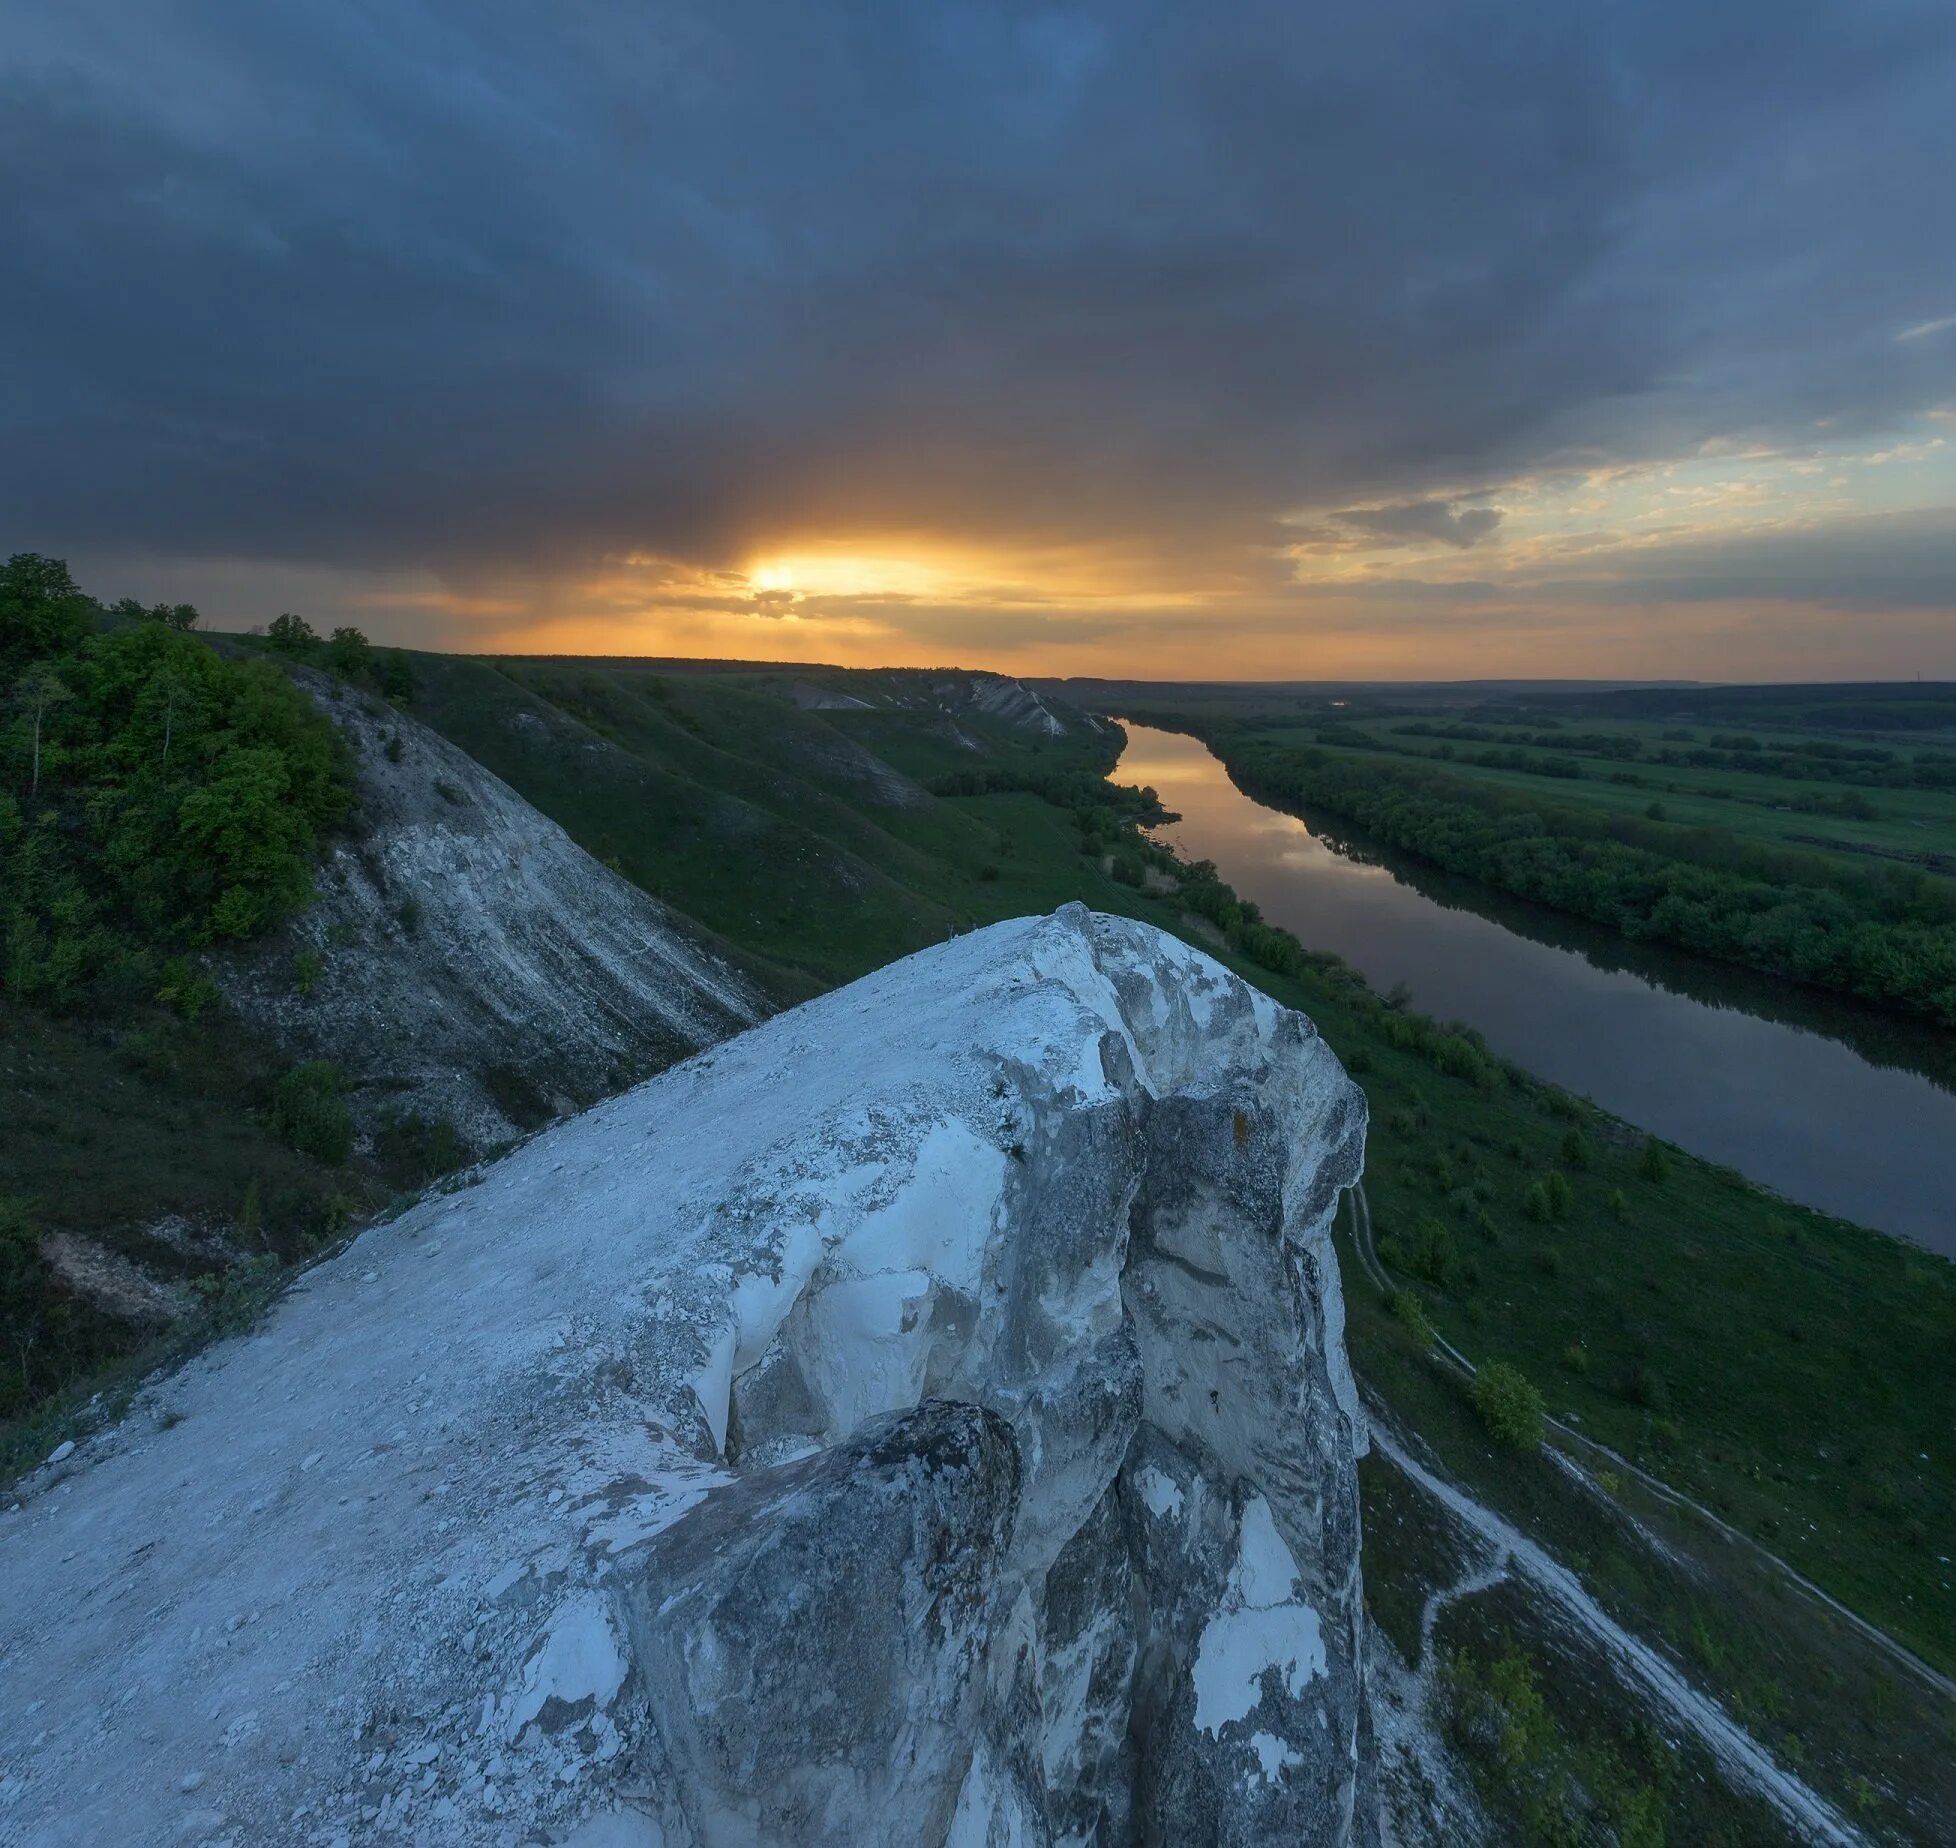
<point x="154" y="797"/>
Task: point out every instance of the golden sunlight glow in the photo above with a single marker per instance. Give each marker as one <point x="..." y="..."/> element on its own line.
<point x="836" y="572"/>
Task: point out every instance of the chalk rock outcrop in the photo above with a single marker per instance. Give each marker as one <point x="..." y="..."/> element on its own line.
<point x="923" y="1418"/>
<point x="470" y="962"/>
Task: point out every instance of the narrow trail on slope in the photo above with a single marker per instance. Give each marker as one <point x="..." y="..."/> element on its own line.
<point x="1898" y="1653"/>
<point x="1738" y="1754"/>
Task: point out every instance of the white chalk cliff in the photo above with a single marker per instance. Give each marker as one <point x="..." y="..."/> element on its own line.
<point x="921" y="1419"/>
<point x="468" y="949"/>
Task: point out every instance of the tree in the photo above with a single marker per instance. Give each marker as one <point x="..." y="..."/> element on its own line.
<point x="396" y="678"/>
<point x="42" y="613"/>
<point x="291" y="634"/>
<point x="41" y="690"/>
<point x="1508" y="1405"/>
<point x="170" y="689"/>
<point x="182" y="617"/>
<point x="348" y="652"/>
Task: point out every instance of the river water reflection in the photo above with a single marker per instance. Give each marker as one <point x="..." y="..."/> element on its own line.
<point x="1823" y="1101"/>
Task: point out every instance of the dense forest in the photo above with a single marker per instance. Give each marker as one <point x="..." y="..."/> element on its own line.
<point x="155" y="797"/>
<point x="1887" y="934"/>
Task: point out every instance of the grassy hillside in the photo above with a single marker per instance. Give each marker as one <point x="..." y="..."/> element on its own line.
<point x="1793" y="1372"/>
<point x="1659" y="1268"/>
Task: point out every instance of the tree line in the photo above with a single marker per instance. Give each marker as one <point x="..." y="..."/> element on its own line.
<point x="1885" y="934"/>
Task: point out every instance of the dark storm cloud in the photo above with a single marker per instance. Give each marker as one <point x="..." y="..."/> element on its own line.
<point x="434" y="281"/>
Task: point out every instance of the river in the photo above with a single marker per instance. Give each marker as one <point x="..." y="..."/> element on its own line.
<point x="1823" y="1101"/>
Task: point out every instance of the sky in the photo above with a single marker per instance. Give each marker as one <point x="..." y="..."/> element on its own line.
<point x="1409" y="340"/>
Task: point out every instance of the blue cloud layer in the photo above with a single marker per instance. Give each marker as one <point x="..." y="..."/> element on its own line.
<point x="417" y="282"/>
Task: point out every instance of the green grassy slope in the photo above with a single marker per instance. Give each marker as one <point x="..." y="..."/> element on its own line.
<point x="1796" y="1373"/>
<point x="1791" y="1368"/>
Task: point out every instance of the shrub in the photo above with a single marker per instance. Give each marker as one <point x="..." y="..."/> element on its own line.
<point x="1460" y="1058"/>
<point x="186" y="988"/>
<point x="1508" y="1405"/>
<point x="1432" y="1254"/>
<point x="1576" y="1357"/>
<point x="309" y="1111"/>
<point x="1651" y="1163"/>
<point x="1566" y="1105"/>
<point x="415" y="1150"/>
<point x="1547" y="1199"/>
<point x="1644" y="1385"/>
<point x="1575" y="1151"/>
<point x="1409" y="1312"/>
<point x="307" y="967"/>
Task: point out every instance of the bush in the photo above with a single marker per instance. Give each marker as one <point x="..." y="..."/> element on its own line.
<point x="1644" y="1385"/>
<point x="1459" y="1057"/>
<point x="415" y="1150"/>
<point x="1548" y="1199"/>
<point x="1575" y="1151"/>
<point x="1651" y="1163"/>
<point x="1508" y="1405"/>
<point x="1432" y="1254"/>
<point x="309" y="1111"/>
<point x="1409" y="1312"/>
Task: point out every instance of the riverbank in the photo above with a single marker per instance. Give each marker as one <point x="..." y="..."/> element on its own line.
<point x="1824" y="1101"/>
<point x="1539" y="827"/>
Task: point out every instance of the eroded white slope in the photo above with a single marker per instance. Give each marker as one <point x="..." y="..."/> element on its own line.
<point x="476" y="1540"/>
<point x="469" y="953"/>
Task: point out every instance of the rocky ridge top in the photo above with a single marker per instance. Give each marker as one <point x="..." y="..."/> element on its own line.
<point x="923" y="1418"/>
